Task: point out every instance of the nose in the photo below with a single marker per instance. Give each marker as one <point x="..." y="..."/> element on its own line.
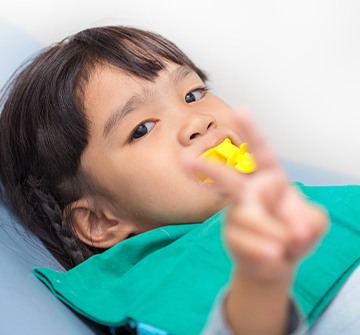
<point x="195" y="125"/>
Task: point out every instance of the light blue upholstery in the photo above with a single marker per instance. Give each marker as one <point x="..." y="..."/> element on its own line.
<point x="26" y="305"/>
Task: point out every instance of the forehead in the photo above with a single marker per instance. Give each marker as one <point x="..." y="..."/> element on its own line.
<point x="106" y="81"/>
<point x="105" y="76"/>
<point x="107" y="87"/>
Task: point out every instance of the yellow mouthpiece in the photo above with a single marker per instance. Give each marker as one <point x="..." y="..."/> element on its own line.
<point x="229" y="154"/>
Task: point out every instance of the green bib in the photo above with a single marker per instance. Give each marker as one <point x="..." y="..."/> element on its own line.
<point x="325" y="270"/>
<point x="170" y="277"/>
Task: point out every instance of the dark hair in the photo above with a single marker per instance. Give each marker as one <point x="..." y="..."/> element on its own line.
<point x="44" y="130"/>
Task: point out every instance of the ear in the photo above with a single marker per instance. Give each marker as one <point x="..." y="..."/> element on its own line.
<point x="96" y="228"/>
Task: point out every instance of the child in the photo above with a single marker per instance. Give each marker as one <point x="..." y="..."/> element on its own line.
<point x="101" y="135"/>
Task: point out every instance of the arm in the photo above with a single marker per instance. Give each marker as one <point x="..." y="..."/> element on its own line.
<point x="269" y="227"/>
<point x="218" y="325"/>
<point x="257" y="308"/>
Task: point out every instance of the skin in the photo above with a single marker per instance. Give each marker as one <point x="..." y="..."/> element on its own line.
<point x="152" y="181"/>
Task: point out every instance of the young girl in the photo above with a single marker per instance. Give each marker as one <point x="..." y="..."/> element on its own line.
<point x="100" y="138"/>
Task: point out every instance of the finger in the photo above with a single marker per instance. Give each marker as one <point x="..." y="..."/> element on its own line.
<point x="263" y="153"/>
<point x="255" y="219"/>
<point x="306" y="222"/>
<point x="250" y="247"/>
<point x="224" y="178"/>
<point x="316" y="224"/>
<point x="266" y="188"/>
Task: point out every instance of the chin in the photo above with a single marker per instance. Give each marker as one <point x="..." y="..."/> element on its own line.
<point x="212" y="211"/>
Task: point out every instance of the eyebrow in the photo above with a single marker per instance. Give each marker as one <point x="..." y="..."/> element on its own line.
<point x="135" y="100"/>
<point x="115" y="118"/>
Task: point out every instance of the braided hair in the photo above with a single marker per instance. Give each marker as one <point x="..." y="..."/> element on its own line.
<point x="61" y="227"/>
<point x="44" y="129"/>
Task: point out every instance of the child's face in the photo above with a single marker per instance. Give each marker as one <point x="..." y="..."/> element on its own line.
<point x="138" y="132"/>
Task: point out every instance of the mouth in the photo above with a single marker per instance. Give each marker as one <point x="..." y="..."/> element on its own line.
<point x="215" y="144"/>
<point x="212" y="152"/>
<point x="219" y="143"/>
<point x="228" y="153"/>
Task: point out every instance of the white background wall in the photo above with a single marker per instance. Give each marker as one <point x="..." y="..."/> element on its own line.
<point x="294" y="64"/>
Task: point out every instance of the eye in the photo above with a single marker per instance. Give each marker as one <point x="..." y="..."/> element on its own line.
<point x="195" y="95"/>
<point x="142" y="129"/>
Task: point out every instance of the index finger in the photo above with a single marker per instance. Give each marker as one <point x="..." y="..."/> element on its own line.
<point x="224" y="177"/>
<point x="261" y="150"/>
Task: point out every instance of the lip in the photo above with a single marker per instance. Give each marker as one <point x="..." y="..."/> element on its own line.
<point x="236" y="139"/>
<point x="220" y="140"/>
<point x="215" y="143"/>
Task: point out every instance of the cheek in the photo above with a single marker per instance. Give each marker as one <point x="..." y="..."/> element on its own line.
<point x="162" y="180"/>
<point x="148" y="172"/>
<point x="227" y="115"/>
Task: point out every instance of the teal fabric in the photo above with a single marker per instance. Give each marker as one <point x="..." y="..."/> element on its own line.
<point x="170" y="277"/>
<point x="323" y="272"/>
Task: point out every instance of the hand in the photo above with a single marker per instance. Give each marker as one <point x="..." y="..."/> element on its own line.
<point x="270" y="224"/>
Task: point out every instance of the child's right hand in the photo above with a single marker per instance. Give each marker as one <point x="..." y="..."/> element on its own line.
<point x="270" y="226"/>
